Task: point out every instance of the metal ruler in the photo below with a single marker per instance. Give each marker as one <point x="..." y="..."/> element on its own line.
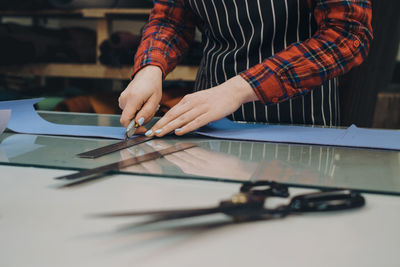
<point x="103" y="170"/>
<point x="98" y="152"/>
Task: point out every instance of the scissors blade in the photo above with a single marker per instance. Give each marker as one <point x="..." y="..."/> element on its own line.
<point x="168" y="215"/>
<point x="179" y="215"/>
<point x="159" y="213"/>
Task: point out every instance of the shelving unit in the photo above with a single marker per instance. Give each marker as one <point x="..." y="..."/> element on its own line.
<point x="94" y="71"/>
<point x="83" y="12"/>
<point x="104" y="18"/>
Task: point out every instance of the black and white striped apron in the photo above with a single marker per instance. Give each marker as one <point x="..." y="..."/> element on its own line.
<point x="238" y="34"/>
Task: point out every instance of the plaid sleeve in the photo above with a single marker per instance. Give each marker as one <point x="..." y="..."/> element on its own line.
<point x="166" y="36"/>
<point x="340" y="43"/>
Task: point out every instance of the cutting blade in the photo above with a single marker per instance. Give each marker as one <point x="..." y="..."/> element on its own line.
<point x="131" y="129"/>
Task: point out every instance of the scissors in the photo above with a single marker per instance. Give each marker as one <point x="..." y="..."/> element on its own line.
<point x="248" y="204"/>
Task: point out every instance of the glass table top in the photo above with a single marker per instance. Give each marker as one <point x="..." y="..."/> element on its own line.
<point x="368" y="170"/>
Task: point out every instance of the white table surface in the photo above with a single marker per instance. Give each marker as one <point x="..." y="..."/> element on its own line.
<point x="41" y="225"/>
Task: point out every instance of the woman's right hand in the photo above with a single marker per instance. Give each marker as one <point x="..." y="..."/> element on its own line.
<point x="142" y="96"/>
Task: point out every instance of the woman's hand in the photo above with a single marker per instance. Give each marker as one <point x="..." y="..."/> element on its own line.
<point x="202" y="162"/>
<point x="142" y="96"/>
<point x="198" y="109"/>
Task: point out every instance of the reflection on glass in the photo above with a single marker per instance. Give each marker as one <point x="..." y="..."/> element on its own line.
<point x="16" y="145"/>
<point x="287" y="163"/>
<point x="319" y="165"/>
<point x="280" y="162"/>
<point x="51" y="151"/>
<point x="205" y="162"/>
<point x="364" y="169"/>
<point x="151" y="167"/>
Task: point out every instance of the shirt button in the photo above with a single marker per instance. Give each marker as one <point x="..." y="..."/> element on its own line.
<point x="356" y="43"/>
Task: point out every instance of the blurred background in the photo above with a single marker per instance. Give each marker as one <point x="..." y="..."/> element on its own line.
<point x="78" y="55"/>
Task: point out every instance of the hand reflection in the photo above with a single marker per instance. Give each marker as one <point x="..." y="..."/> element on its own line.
<point x="201" y="162"/>
<point x="145" y="167"/>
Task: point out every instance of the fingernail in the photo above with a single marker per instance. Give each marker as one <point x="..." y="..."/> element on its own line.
<point x="178" y="129"/>
<point x="148" y="133"/>
<point x="141" y="121"/>
<point x="158" y="131"/>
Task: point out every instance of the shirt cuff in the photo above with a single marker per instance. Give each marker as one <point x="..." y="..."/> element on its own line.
<point x="155" y="58"/>
<point x="266" y="84"/>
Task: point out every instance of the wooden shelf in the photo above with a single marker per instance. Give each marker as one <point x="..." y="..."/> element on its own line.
<point x="96" y="71"/>
<point x="84" y="12"/>
<point x="104" y="17"/>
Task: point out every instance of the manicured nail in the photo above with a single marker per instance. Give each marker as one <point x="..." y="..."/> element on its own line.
<point x="148" y="133"/>
<point x="158" y="131"/>
<point x="141" y="121"/>
<point x="178" y="129"/>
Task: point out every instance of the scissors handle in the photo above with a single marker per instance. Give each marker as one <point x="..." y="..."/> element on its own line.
<point x="265" y="189"/>
<point x="326" y="201"/>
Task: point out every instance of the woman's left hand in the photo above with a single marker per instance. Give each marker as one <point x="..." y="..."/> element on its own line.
<point x="197" y="109"/>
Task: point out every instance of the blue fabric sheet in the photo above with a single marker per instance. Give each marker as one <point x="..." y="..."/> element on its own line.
<point x="24" y="119"/>
<point x="350" y="137"/>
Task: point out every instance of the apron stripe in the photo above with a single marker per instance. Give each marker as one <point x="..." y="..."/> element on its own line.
<point x="330" y="103"/>
<point x="235" y="38"/>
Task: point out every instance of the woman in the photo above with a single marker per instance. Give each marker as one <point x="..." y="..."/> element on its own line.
<point x="264" y="60"/>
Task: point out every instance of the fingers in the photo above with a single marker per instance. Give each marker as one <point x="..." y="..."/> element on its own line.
<point x="179" y="109"/>
<point x="141" y="106"/>
<point x="143" y="92"/>
<point x="122" y="100"/>
<point x="177" y="121"/>
<point x="187" y="110"/>
<point x="193" y="125"/>
<point x="196" y="110"/>
<point x="146" y="113"/>
<point x="126" y="96"/>
<point x="129" y="112"/>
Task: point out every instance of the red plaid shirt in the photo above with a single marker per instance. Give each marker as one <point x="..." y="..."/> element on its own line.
<point x="340" y="43"/>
